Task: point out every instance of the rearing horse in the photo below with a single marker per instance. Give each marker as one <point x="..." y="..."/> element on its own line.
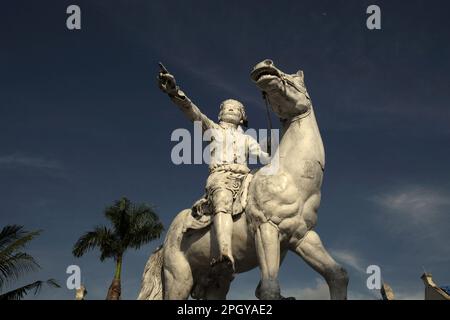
<point x="280" y="214"/>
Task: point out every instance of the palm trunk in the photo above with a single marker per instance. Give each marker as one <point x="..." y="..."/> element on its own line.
<point x="114" y="290"/>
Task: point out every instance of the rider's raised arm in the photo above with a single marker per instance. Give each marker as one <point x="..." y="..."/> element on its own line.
<point x="191" y="110"/>
<point x="167" y="84"/>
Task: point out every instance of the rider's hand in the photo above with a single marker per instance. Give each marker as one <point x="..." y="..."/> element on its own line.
<point x="167" y="83"/>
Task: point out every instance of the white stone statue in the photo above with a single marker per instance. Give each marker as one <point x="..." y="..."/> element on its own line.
<point x="80" y="293"/>
<point x="256" y="217"/>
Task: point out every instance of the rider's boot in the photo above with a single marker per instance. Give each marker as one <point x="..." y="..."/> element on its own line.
<point x="223" y="226"/>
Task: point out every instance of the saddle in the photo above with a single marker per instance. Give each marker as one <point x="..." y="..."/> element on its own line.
<point x="202" y="211"/>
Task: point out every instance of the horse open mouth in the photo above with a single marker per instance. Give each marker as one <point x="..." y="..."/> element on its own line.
<point x="264" y="74"/>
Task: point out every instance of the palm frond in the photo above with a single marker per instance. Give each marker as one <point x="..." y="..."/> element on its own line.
<point x="10" y="233"/>
<point x="101" y="237"/>
<point x="111" y="249"/>
<point x="113" y="214"/>
<point x="16" y="265"/>
<point x="145" y="226"/>
<point x="15" y="239"/>
<point x="133" y="226"/>
<point x="145" y="234"/>
<point x="19" y="293"/>
<point x="119" y="215"/>
<point x="143" y="214"/>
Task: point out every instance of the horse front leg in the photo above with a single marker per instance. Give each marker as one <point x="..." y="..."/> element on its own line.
<point x="258" y="288"/>
<point x="268" y="252"/>
<point x="311" y="249"/>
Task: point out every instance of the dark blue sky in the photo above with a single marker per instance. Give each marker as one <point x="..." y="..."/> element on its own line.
<point x="83" y="123"/>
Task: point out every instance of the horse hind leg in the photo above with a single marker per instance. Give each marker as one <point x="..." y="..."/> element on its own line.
<point x="178" y="280"/>
<point x="311" y="249"/>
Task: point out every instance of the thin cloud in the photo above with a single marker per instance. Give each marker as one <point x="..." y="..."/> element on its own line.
<point x="215" y="77"/>
<point x="47" y="166"/>
<point x="18" y="160"/>
<point x="419" y="211"/>
<point x="409" y="295"/>
<point x="243" y="288"/>
<point x="321" y="292"/>
<point x="357" y="273"/>
<point x="318" y="292"/>
<point x="350" y="259"/>
<point x="415" y="205"/>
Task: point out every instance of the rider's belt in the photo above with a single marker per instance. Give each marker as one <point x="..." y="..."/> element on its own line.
<point x="233" y="167"/>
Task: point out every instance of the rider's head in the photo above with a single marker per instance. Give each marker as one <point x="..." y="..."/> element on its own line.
<point x="232" y="111"/>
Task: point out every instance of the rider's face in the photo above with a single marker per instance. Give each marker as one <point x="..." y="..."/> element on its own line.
<point x="231" y="113"/>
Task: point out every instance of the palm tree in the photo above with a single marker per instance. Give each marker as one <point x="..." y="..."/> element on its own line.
<point x="132" y="226"/>
<point x="14" y="263"/>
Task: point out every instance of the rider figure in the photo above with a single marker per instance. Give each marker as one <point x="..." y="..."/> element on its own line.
<point x="230" y="149"/>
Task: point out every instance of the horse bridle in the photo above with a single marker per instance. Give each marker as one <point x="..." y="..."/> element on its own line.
<point x="285" y="80"/>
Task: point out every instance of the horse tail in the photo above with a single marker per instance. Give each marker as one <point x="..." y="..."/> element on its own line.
<point x="152" y="287"/>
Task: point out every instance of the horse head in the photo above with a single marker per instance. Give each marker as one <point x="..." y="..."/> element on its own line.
<point x="282" y="91"/>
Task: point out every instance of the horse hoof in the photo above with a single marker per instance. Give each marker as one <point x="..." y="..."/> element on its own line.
<point x="270" y="290"/>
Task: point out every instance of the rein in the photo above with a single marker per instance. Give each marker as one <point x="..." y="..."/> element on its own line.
<point x="269" y="125"/>
<point x="294" y="119"/>
<point x="301" y="116"/>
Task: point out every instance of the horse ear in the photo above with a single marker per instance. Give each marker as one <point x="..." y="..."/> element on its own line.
<point x="300" y="74"/>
